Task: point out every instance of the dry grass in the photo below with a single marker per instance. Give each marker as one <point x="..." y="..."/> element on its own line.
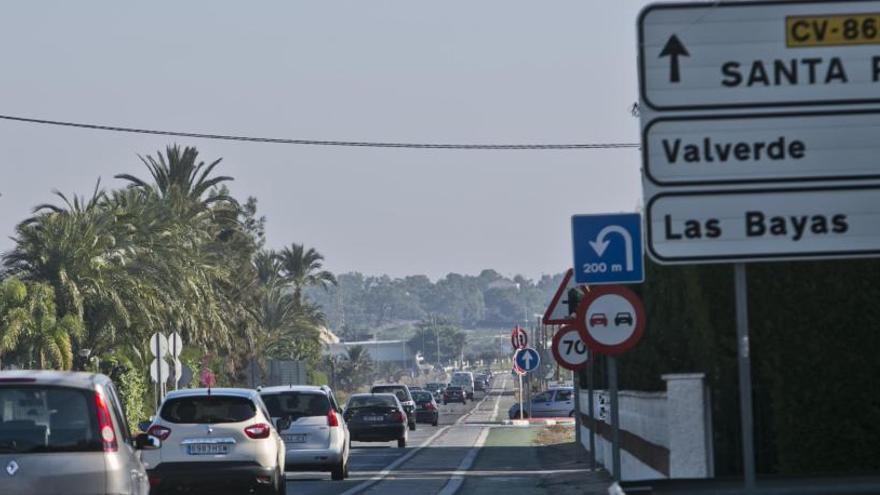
<point x="555" y="434"/>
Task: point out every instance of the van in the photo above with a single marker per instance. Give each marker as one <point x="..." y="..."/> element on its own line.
<point x="465" y="380"/>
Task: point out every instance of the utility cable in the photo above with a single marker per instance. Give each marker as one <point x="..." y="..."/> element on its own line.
<point x="316" y="142"/>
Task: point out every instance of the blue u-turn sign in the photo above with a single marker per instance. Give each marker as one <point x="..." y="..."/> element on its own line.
<point x="608" y="248"/>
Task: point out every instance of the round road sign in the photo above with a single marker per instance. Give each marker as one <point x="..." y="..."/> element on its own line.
<point x="527" y="359"/>
<point x="158" y="345"/>
<point x="519" y="339"/>
<point x="569" y="349"/>
<point x="611" y="319"/>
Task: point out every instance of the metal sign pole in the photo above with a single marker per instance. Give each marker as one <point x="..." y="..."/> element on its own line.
<point x="745" y="373"/>
<point x="592" y="413"/>
<point x="615" y="418"/>
<point x="576" y="382"/>
<point x="521" y="393"/>
<point x="158" y="372"/>
<point x="174" y="355"/>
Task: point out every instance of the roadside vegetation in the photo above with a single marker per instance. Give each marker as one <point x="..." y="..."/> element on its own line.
<point x="92" y="277"/>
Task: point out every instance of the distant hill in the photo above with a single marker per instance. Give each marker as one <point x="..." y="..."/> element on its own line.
<point x="361" y="302"/>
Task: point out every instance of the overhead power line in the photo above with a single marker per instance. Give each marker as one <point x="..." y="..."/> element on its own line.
<point x="318" y="142"/>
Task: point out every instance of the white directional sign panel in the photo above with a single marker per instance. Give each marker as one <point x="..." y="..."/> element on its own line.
<point x="759" y="54"/>
<point x="820" y="222"/>
<point x="760" y="130"/>
<point x="764" y="147"/>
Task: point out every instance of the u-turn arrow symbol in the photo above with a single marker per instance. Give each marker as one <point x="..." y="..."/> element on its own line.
<point x="600" y="244"/>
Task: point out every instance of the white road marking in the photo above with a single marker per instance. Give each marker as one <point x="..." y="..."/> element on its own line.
<point x="409" y="455"/>
<point x="457" y="478"/>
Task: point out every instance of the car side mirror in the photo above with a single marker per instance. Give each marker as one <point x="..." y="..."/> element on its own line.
<point x="282" y="424"/>
<point x="144" y="426"/>
<point x="146" y="442"/>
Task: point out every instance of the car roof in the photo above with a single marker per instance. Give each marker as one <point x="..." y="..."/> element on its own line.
<point x="294" y="388"/>
<point x="352" y="396"/>
<point x="76" y="379"/>
<point x="201" y="392"/>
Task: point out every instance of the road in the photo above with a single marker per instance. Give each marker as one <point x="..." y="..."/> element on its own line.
<point x="435" y="461"/>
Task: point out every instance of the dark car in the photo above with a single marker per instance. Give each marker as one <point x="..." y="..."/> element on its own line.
<point x="376" y="418"/>
<point x="426" y="408"/>
<point x="436" y="389"/>
<point x="621" y="318"/>
<point x="454" y="394"/>
<point x="404" y="396"/>
<point x="479" y="386"/>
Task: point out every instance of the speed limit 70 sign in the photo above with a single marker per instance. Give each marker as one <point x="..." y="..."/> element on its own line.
<point x="569" y="349"/>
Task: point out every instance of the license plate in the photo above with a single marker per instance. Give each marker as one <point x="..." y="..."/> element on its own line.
<point x="295" y="438"/>
<point x="207" y="449"/>
<point x="373" y="418"/>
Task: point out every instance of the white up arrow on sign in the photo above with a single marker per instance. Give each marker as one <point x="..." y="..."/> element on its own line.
<point x="600" y="244"/>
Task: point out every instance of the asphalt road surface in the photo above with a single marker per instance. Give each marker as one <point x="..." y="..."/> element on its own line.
<point x="433" y="461"/>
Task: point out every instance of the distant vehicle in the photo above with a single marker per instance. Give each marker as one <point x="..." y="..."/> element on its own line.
<point x="454" y="393"/>
<point x="404" y="396"/>
<point x="553" y="403"/>
<point x="426" y="408"/>
<point x="57" y="427"/>
<point x="376" y="418"/>
<point x="414" y="387"/>
<point x="317" y="438"/>
<point x="479" y="386"/>
<point x="598" y="319"/>
<point x="621" y="318"/>
<point x="436" y="389"/>
<point x="465" y="380"/>
<point x="217" y="439"/>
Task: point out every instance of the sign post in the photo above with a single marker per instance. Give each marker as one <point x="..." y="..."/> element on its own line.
<point x="611" y="320"/>
<point x="745" y="372"/>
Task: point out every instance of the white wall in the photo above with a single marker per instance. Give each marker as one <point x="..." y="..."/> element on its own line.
<point x="677" y="420"/>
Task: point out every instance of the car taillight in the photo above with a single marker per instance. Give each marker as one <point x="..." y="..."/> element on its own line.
<point x="398" y="417"/>
<point x="332" y="420"/>
<point x="257" y="431"/>
<point x="105" y="425"/>
<point x="154" y="480"/>
<point x="159" y="432"/>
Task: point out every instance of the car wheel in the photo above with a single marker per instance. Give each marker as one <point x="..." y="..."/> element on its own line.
<point x="435" y="422"/>
<point x="338" y="472"/>
<point x="401" y="443"/>
<point x="412" y="427"/>
<point x="280" y="482"/>
<point x="444" y="402"/>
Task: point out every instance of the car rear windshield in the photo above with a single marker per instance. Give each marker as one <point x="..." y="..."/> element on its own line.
<point x="48" y="419"/>
<point x="359" y="401"/>
<point x="422" y="396"/>
<point x="297" y="404"/>
<point x="205" y="409"/>
<point x="401" y="392"/>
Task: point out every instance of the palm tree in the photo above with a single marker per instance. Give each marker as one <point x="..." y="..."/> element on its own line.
<point x="178" y="176"/>
<point x="30" y="328"/>
<point x="357" y="367"/>
<point x="302" y="268"/>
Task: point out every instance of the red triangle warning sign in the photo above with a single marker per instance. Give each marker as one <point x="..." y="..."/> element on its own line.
<point x="557" y="312"/>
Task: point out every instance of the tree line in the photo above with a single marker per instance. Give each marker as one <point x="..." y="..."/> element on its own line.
<point x="90" y="278"/>
<point x="359" y="303"/>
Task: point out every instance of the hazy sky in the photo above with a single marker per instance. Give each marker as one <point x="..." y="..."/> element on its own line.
<point x="500" y="71"/>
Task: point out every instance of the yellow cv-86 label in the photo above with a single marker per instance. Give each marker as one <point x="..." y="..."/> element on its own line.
<point x="832" y="30"/>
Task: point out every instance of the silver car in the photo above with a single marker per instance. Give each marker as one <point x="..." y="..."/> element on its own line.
<point x="66" y="433"/>
<point x="553" y="403"/>
<point x="317" y="438"/>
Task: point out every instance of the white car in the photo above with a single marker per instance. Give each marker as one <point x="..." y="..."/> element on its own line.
<point x="317" y="438"/>
<point x="219" y="439"/>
